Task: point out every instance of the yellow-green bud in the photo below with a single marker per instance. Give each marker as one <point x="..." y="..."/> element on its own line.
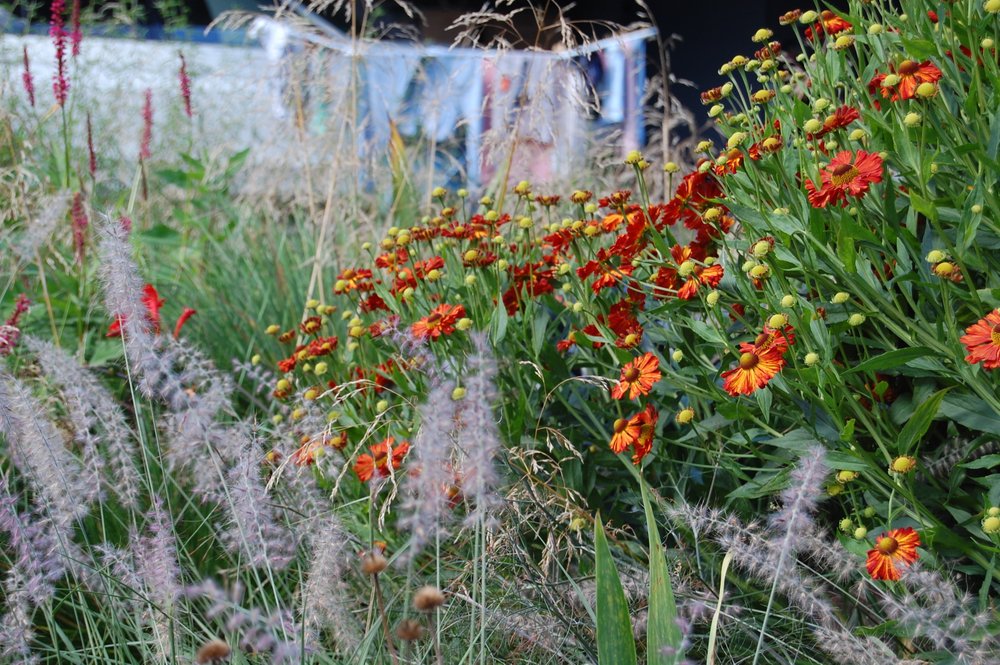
<point x="808" y="17"/>
<point x="438" y="192"/>
<point x="684" y="416"/>
<point x="992" y="6"/>
<point x="464" y="323"/>
<point x="840" y="297"/>
<point x="976" y="209"/>
<point x="777" y="321"/>
<point x="857" y="134"/>
<point x="761" y="248"/>
<point x="911" y="119"/>
<point x="762" y="35"/>
<point x="712" y="298"/>
<point x="458" y="394"/>
<point x="273" y="329"/>
<point x="812" y="125"/>
<point x="811" y="358"/>
<point x="470" y="280"/>
<point x="788" y="301"/>
<point x="855" y="320"/>
<point x="936" y="256"/>
<point x="255" y="360"/>
<point x="860" y="533"/>
<point x="677" y="355"/>
<point x="845" y="524"/>
<point x="991" y="525"/>
<point x="671" y="167"/>
<point x="926" y="90"/>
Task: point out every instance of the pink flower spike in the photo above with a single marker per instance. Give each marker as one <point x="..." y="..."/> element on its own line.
<point x="57" y="30"/>
<point x="76" y="36"/>
<point x="79" y="216"/>
<point x="91" y="154"/>
<point x="185" y="86"/>
<point x="29" y="82"/>
<point x="147" y="126"/>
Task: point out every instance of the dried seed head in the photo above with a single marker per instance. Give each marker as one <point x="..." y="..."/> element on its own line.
<point x="373" y="563"/>
<point x="213" y="651"/>
<point x="409" y="630"/>
<point x="428" y="598"/>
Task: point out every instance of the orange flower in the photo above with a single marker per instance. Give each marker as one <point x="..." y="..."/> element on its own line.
<point x="846" y="174"/>
<point x="314" y="447"/>
<point x="755" y="369"/>
<point x="441" y="321"/>
<point x="638" y="377"/>
<point x="637" y="432"/>
<point x="898" y="547"/>
<point x="982" y="340"/>
<point x="828" y="24"/>
<point x="379" y="460"/>
<point x="643" y="443"/>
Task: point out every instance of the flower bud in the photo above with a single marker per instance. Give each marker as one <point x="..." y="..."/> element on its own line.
<point x="811" y="358"/>
<point x="777" y="321"/>
<point x="860" y="533"/>
<point x="903" y="464"/>
<point x="788" y="301"/>
<point x="684" y="416"/>
<point x="439" y="192"/>
<point x="911" y="119"/>
<point x="712" y="298"/>
<point x="381" y="406"/>
<point x="428" y="598"/>
<point x="976" y="209"/>
<point x="855" y="320"/>
<point x="273" y="329"/>
<point x="677" y="356"/>
<point x="671" y="167"/>
<point x="458" y="394"/>
<point x="812" y="125"/>
<point x="464" y="323"/>
<point x="840" y="298"/>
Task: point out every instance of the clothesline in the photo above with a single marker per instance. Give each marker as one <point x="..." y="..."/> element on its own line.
<point x="358" y="47"/>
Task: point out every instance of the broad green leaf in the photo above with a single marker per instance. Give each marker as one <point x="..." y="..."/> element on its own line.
<point x="889" y="360"/>
<point x="663" y="635"/>
<point x="920" y="421"/>
<point x="615" y="645"/>
<point x="984" y="462"/>
<point x="498" y="323"/>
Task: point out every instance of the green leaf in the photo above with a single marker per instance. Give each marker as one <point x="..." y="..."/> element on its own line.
<point x="846" y="249"/>
<point x="972" y="412"/>
<point x="923" y="206"/>
<point x="615" y="645"/>
<point x="498" y="323"/>
<point x="920" y="421"/>
<point x="662" y="631"/>
<point x="889" y="359"/>
<point x="984" y="462"/>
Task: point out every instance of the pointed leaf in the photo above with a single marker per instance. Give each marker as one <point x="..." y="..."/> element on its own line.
<point x="663" y="635"/>
<point x="615" y="645"/>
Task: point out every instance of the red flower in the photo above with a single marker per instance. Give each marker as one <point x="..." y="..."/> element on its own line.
<point x="911" y="74"/>
<point x="608" y="275"/>
<point x="182" y="319"/>
<point x="382" y="455"/>
<point x="898" y="547"/>
<point x="314" y="447"/>
<point x="828" y="24"/>
<point x="691" y="270"/>
<point x="839" y="119"/>
<point x="152" y="301"/>
<point x="982" y="341"/>
<point x="846" y="174"/>
<point x="352" y="279"/>
<point x="441" y="321"/>
<point x="638" y="377"/>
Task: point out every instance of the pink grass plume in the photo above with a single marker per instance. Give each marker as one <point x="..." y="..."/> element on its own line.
<point x="78" y="213"/>
<point x="76" y="35"/>
<point x="91" y="153"/>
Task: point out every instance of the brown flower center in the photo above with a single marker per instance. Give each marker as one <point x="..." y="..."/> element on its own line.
<point x="749" y="360"/>
<point x="995" y="335"/>
<point x="631" y="375"/>
<point x="908" y="68"/>
<point x="843" y="174"/>
<point x="887" y="545"/>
